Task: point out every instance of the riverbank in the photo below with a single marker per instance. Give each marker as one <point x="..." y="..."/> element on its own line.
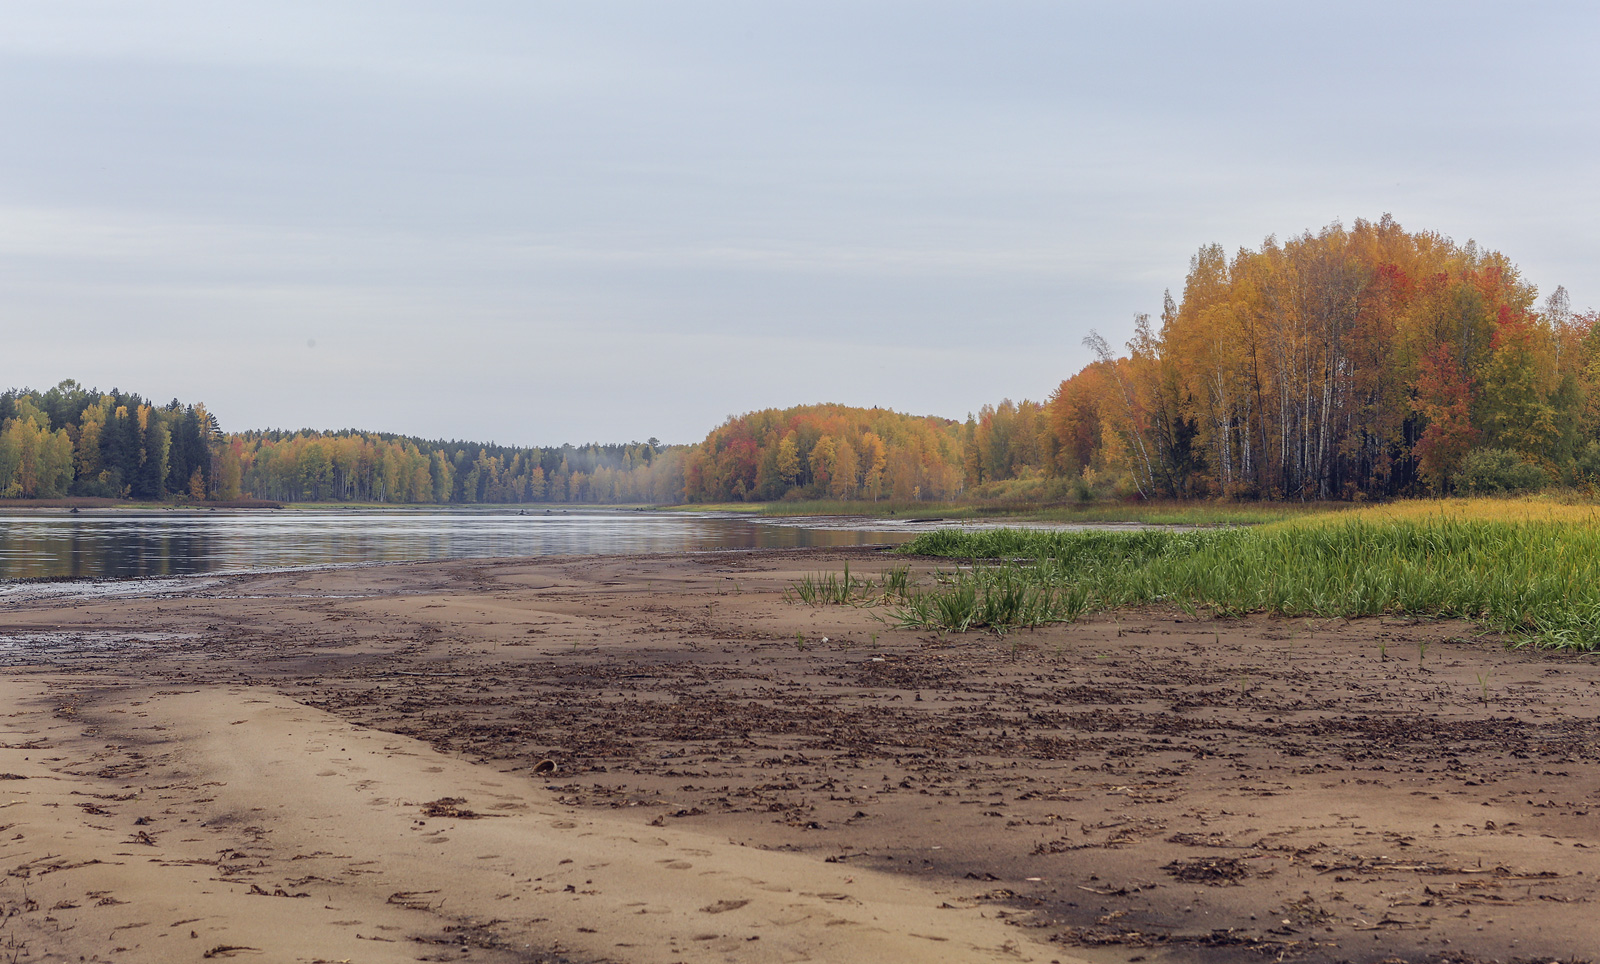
<point x="1098" y="512"/>
<point x="1194" y="512"/>
<point x="79" y="503"/>
<point x="661" y="758"/>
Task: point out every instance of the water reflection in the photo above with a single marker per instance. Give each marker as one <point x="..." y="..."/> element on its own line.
<point x="122" y="545"/>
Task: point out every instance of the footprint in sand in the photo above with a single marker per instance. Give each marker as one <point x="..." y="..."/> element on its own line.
<point x="675" y="864"/>
<point x="763" y="885"/>
<point x="650" y="842"/>
<point x="723" y="906"/>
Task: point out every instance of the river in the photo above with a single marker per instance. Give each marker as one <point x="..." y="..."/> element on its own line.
<point x="125" y="544"/>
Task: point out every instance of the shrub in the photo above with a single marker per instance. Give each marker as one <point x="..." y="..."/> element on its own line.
<point x="1585" y="466"/>
<point x="1488" y="471"/>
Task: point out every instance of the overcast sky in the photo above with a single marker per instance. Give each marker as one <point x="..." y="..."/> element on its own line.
<point x="544" y="222"/>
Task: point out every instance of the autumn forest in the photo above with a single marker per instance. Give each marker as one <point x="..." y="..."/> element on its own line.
<point x="1353" y="363"/>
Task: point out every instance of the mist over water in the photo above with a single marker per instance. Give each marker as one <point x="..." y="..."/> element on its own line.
<point x="130" y="545"/>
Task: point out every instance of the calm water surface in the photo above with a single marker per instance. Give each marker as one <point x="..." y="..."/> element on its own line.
<point x="124" y="545"/>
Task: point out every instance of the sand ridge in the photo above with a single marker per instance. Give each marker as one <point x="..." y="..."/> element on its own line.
<point x="309" y="839"/>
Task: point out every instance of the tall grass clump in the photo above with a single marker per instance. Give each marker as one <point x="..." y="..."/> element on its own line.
<point x="834" y="589"/>
<point x="995" y="597"/>
<point x="1526" y="568"/>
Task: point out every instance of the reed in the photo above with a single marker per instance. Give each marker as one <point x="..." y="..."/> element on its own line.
<point x="836" y="589"/>
<point x="999" y="597"/>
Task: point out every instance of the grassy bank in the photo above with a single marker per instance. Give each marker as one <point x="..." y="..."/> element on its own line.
<point x="1150" y="512"/>
<point x="1530" y="569"/>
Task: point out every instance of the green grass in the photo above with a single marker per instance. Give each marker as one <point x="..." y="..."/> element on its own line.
<point x="1154" y="513"/>
<point x="752" y="508"/>
<point x="827" y="588"/>
<point x="882" y="509"/>
<point x="1531" y="573"/>
<point x="999" y="597"/>
<point x="821" y="589"/>
<point x="1192" y="513"/>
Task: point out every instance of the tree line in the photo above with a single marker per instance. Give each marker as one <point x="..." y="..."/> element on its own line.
<point x="73" y="441"/>
<point x="826" y="452"/>
<point x="357" y="466"/>
<point x="1366" y="362"/>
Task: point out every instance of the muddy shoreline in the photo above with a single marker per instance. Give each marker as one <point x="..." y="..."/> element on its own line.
<point x="1144" y="787"/>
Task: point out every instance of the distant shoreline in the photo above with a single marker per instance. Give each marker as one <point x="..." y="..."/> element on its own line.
<point x="1151" y="512"/>
<point x="98" y="502"/>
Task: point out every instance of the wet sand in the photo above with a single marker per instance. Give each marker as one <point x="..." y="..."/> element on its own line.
<point x="641" y="759"/>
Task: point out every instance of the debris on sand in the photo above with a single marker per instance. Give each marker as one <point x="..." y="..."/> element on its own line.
<point x="450" y="807"/>
<point x="1212" y="871"/>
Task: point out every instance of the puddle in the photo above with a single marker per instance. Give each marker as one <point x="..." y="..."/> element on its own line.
<point x="101" y="588"/>
<point x="21" y="648"/>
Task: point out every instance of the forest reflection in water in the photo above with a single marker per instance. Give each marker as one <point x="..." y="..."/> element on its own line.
<point x="119" y="544"/>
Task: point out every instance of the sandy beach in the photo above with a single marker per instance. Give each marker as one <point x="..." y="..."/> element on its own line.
<point x="664" y="758"/>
